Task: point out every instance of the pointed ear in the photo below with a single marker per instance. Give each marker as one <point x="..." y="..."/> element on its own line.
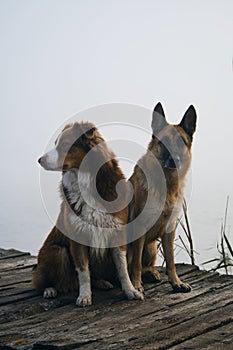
<point x="158" y="119"/>
<point x="188" y="123"/>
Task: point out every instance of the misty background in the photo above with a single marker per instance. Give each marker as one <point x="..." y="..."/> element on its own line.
<point x="59" y="58"/>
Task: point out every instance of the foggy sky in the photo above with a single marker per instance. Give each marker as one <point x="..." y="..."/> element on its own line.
<point x="61" y="57"/>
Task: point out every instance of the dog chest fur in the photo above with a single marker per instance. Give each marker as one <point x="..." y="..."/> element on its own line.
<point x="89" y="217"/>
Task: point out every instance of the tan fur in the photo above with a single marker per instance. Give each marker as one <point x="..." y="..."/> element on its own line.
<point x="142" y="253"/>
<point x="62" y="255"/>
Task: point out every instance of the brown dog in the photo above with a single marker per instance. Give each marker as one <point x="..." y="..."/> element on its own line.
<point x="91" y="219"/>
<point x="158" y="181"/>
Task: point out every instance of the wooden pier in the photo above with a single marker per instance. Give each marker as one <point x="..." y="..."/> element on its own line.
<point x="202" y="319"/>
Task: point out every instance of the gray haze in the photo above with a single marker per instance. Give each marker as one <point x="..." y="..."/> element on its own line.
<point x="61" y="57"/>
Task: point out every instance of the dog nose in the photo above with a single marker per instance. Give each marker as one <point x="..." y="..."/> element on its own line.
<point x="39" y="160"/>
<point x="173" y="162"/>
<point x="176" y="159"/>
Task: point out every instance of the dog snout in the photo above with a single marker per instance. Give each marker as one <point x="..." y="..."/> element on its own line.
<point x="173" y="162"/>
<point x="49" y="161"/>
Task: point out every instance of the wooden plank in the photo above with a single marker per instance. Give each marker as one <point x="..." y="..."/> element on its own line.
<point x="11" y="253"/>
<point x="160" y="334"/>
<point x="165" y="320"/>
<point x="221" y="339"/>
<point x="16" y="277"/>
<point x="22" y="295"/>
<point x="130" y="316"/>
<point x="17" y="263"/>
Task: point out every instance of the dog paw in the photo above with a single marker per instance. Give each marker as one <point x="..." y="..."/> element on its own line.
<point x="151" y="276"/>
<point x="134" y="294"/>
<point x="50" y="293"/>
<point x="102" y="284"/>
<point x="138" y="286"/>
<point x="182" y="288"/>
<point x="84" y="300"/>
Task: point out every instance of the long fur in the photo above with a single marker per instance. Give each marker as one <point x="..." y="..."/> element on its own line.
<point x="76" y="250"/>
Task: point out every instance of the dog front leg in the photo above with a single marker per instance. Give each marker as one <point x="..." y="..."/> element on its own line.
<point x="80" y="257"/>
<point x="149" y="256"/>
<point x="119" y="257"/>
<point x="136" y="265"/>
<point x="168" y="248"/>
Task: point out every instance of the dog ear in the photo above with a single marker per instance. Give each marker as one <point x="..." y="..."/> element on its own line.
<point x="188" y="123"/>
<point x="158" y="119"/>
<point x="67" y="126"/>
<point x="85" y="135"/>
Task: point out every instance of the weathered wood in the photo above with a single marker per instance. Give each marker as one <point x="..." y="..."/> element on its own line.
<point x="22" y="263"/>
<point x="198" y="320"/>
<point x="11" y="253"/>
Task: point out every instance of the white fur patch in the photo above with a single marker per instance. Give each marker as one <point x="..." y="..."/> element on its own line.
<point x="52" y="159"/>
<point x="94" y="224"/>
<point x="98" y="229"/>
<point x="84" y="179"/>
<point x="84" y="298"/>
<point x="77" y="183"/>
<point x="119" y="257"/>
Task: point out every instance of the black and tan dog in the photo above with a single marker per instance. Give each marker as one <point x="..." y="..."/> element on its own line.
<point x="158" y="181"/>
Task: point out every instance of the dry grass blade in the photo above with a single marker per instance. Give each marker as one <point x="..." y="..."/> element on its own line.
<point x="228" y="244"/>
<point x="225" y="259"/>
<point x="187" y="231"/>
